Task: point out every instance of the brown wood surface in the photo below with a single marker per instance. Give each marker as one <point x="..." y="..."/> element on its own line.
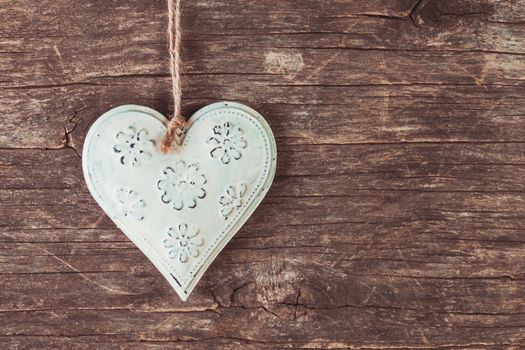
<point x="397" y="217"/>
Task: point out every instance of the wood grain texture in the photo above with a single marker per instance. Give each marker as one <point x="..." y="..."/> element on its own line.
<point x="397" y="217"/>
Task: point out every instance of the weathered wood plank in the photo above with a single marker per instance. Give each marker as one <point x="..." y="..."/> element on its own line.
<point x="481" y="167"/>
<point x="358" y="326"/>
<point x="267" y="67"/>
<point x="333" y="114"/>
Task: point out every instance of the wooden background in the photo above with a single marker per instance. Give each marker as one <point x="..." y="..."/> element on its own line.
<point x="397" y="216"/>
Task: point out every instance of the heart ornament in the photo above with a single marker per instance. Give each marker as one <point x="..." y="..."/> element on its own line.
<point x="180" y="209"/>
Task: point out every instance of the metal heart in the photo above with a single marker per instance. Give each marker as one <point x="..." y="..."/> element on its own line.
<point x="182" y="208"/>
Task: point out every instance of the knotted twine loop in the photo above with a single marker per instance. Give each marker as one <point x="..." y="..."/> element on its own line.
<point x="175" y="41"/>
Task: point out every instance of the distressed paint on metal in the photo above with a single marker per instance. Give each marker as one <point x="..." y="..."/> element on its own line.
<point x="182" y="208"/>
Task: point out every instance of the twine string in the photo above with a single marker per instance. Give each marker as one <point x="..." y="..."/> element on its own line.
<point x="175" y="42"/>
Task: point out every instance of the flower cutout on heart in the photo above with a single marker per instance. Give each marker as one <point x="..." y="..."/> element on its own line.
<point x="130" y="203"/>
<point x="231" y="200"/>
<point x="227" y="142"/>
<point x="183" y="242"/>
<point x="134" y="147"/>
<point x="182" y="185"/>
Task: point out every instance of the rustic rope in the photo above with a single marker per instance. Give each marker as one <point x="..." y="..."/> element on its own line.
<point x="175" y="42"/>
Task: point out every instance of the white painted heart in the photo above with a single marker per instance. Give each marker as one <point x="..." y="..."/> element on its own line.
<point x="182" y="208"/>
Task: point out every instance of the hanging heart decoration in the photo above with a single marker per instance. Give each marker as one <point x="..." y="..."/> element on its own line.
<point x="180" y="208"/>
<point x="180" y="189"/>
